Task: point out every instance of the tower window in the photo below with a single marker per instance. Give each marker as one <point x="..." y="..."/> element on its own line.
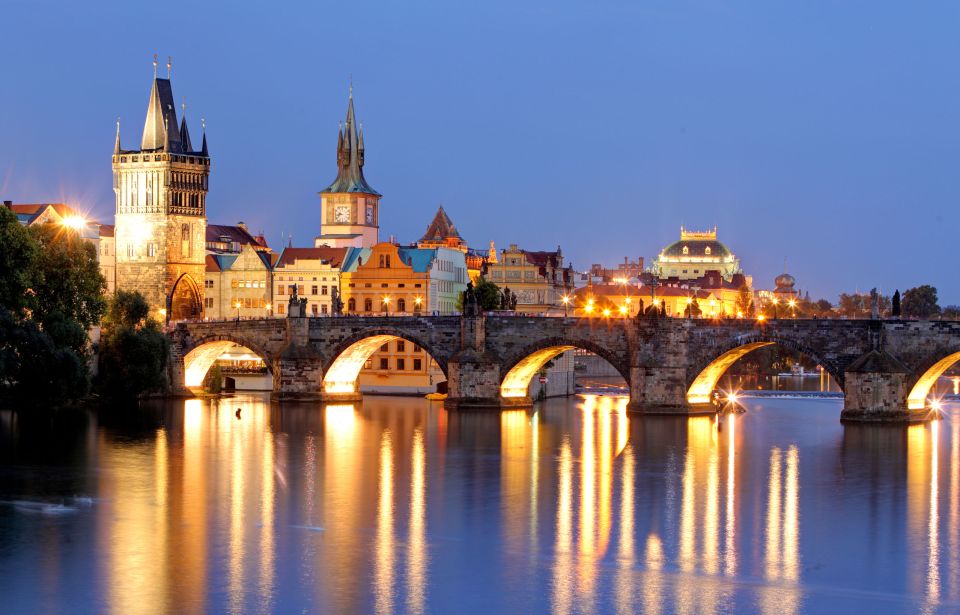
<point x="686" y="250"/>
<point x="707" y="250"/>
<point x="185" y="239"/>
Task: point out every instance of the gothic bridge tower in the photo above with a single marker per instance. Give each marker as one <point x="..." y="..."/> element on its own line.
<point x="161" y="218"/>
<point x="349" y="207"/>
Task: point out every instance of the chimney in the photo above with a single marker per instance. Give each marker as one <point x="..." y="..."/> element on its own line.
<point x="8" y="204"/>
<point x="243" y="226"/>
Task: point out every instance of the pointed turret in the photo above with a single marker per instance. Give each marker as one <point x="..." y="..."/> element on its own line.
<point x="116" y="144"/>
<point x="186" y="145"/>
<point x="161" y="122"/>
<point x="442" y="233"/>
<point x="203" y="148"/>
<point x="350" y="157"/>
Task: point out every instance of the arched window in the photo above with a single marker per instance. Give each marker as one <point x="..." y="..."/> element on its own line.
<point x="401" y="305"/>
<point x="707" y="250"/>
<point x="686" y="250"/>
<point x="352" y="305"/>
<point x="368" y="305"/>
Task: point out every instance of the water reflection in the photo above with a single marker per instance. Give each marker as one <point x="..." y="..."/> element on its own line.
<point x="394" y="505"/>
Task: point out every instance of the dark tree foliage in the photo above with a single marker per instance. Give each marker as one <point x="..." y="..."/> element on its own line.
<point x="34" y="371"/>
<point x="488" y="295"/>
<point x="895" y="309"/>
<point x="951" y="312"/>
<point x="17" y="259"/>
<point x="66" y="278"/>
<point x="920" y="302"/>
<point x="133" y="350"/>
<point x="745" y="301"/>
<point x="693" y="309"/>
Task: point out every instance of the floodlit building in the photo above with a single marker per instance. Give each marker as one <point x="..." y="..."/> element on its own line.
<point x="539" y="280"/>
<point x="349" y="207"/>
<point x="160" y="224"/>
<point x="314" y="272"/>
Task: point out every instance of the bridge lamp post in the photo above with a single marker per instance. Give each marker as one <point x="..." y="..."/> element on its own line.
<point x="238" y="305"/>
<point x="623" y="310"/>
<point x="566" y="302"/>
<point x="775" y="302"/>
<point x="386" y="304"/>
<point x="793" y="307"/>
<point x="589" y="307"/>
<point x="418" y="301"/>
<point x="606" y="312"/>
<point x="269" y="307"/>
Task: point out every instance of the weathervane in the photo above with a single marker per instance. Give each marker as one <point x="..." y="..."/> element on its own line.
<point x="154" y="66"/>
<point x="169" y="66"/>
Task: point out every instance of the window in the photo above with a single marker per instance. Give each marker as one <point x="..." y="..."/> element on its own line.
<point x="281" y="290"/>
<point x="323" y="308"/>
<point x="368" y="364"/>
<point x="323" y="290"/>
<point x="385" y="261"/>
<point x="401" y="365"/>
<point x="417" y="365"/>
<point x="686" y="250"/>
<point x="130" y="250"/>
<point x="368" y="305"/>
<point x="313" y="289"/>
<point x="384" y="285"/>
<point x="384" y="363"/>
<point x="401" y="305"/>
<point x="417" y="285"/>
<point x="351" y="305"/>
<point x="385" y="347"/>
<point x="401" y="346"/>
<point x="234" y="283"/>
<point x="185" y="239"/>
<point x="300" y="289"/>
<point x="416" y="348"/>
<point x="314" y="309"/>
<point x="280" y="308"/>
<point x="707" y="250"/>
<point x="151" y="249"/>
<point x="401" y="285"/>
<point x="208" y="302"/>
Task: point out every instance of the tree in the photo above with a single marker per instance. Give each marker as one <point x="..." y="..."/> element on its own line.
<point x="745" y="301"/>
<point x="67" y="283"/>
<point x="895" y="308"/>
<point x="17" y="259"/>
<point x="854" y="306"/>
<point x="920" y="302"/>
<point x="692" y="310"/>
<point x="133" y="350"/>
<point x="824" y="306"/>
<point x="951" y="312"/>
<point x="488" y="295"/>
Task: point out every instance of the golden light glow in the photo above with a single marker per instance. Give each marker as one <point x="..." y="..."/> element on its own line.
<point x="198" y="361"/>
<point x="417" y="560"/>
<point x="269" y="307"/>
<point x="384" y="556"/>
<point x="704" y="384"/>
<point x="517" y="381"/>
<point x="761" y="318"/>
<point x="793" y="303"/>
<point x="386" y="300"/>
<point x="606" y="312"/>
<point x="74" y="222"/>
<point x="565" y="299"/>
<point x="342" y="375"/>
<point x="141" y="230"/>
<point x="418" y="300"/>
<point x="162" y="311"/>
<point x="917" y="399"/>
<point x="623" y="310"/>
<point x="588" y="308"/>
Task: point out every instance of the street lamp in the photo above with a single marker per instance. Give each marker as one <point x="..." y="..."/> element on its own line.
<point x="238" y="305"/>
<point x="566" y="301"/>
<point x="623" y="310"/>
<point x="793" y="307"/>
<point x="775" y="302"/>
<point x="418" y="301"/>
<point x="74" y="222"/>
<point x="606" y="312"/>
<point x="269" y="307"/>
<point x="386" y="304"/>
<point x="589" y="307"/>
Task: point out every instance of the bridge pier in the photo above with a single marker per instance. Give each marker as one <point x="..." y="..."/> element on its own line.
<point x="662" y="390"/>
<point x="875" y="390"/>
<point x="473" y="382"/>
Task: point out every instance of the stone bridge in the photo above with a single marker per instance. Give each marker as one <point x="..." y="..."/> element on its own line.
<point x="885" y="368"/>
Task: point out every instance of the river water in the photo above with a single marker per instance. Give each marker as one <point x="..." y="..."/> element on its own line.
<point x="396" y="506"/>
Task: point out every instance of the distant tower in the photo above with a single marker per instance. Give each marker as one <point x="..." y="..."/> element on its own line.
<point x="161" y="220"/>
<point x="349" y="207"/>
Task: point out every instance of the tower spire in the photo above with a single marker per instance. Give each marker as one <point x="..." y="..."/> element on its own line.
<point x="154" y="66"/>
<point x="116" y="145"/>
<point x="350" y="155"/>
<point x="185" y="143"/>
<point x="203" y="148"/>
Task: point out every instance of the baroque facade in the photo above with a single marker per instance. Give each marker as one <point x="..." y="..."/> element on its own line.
<point x="160" y="224"/>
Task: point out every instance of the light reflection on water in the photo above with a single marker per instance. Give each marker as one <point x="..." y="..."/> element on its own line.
<point x="395" y="505"/>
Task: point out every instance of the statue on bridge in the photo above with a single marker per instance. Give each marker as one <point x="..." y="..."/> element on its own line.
<point x="336" y="307"/>
<point x="297" y="307"/>
<point x="471" y="305"/>
<point x="508" y="299"/>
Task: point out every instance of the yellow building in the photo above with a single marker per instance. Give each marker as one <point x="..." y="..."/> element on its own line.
<point x="238" y="285"/>
<point x="538" y="279"/>
<point x="315" y="272"/>
<point x="624" y="300"/>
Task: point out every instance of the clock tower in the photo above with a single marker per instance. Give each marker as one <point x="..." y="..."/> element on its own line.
<point x="349" y="207"/>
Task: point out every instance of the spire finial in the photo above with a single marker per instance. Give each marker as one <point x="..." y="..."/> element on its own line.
<point x="183" y="106"/>
<point x="351" y="85"/>
<point x="118" y="126"/>
<point x="169" y="66"/>
<point x="203" y="124"/>
<point x="154" y="66"/>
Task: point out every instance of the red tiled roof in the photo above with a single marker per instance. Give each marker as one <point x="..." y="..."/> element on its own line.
<point x="334" y="256"/>
<point x="106" y="230"/>
<point x="212" y="265"/>
<point x="34" y="208"/>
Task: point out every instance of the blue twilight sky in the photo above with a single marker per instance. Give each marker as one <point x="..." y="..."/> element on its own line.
<point x="824" y="132"/>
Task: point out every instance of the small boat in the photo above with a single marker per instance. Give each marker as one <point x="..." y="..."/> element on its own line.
<point x="436" y="396"/>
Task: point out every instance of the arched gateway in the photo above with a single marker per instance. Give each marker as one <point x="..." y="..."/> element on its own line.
<point x="885" y="368"/>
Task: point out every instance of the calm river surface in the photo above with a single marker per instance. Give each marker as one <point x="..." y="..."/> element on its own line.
<point x="396" y="506"/>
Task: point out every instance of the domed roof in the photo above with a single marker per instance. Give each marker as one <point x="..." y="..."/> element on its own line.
<point x="697" y="248"/>
<point x="785" y="280"/>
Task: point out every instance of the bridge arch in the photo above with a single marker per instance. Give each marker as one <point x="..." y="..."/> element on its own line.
<point x="707" y="374"/>
<point x="202" y="353"/>
<point x="520" y="370"/>
<point x="350" y="355"/>
<point x="926" y="376"/>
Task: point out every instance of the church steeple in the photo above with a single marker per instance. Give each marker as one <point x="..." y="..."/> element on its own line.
<point x="350" y="157"/>
<point x="161" y="121"/>
<point x="185" y="143"/>
<point x="116" y="144"/>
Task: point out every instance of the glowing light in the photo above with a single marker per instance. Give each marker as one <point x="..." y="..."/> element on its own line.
<point x="739" y="314"/>
<point x="140" y="230"/>
<point x="517" y="381"/>
<point x="793" y="303"/>
<point x="386" y="300"/>
<point x="733" y="398"/>
<point x="588" y="308"/>
<point x="74" y="222"/>
<point x="162" y="311"/>
<point x="627" y="300"/>
<point x="917" y="399"/>
<point x="269" y="307"/>
<point x="418" y="300"/>
<point x="689" y="300"/>
<point x="761" y="318"/>
<point x="565" y="299"/>
<point x="704" y="384"/>
<point x="623" y="310"/>
<point x="341" y="377"/>
<point x="606" y="312"/>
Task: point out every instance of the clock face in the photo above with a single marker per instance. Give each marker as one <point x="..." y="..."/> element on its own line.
<point x="341" y="213"/>
<point x="369" y="214"/>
